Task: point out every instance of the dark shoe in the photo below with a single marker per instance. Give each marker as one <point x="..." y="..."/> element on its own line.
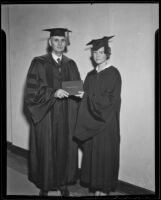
<point x="64" y="192"/>
<point x="43" y="193"/>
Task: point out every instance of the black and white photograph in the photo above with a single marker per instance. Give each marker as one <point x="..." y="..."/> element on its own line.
<point x="81" y="99"/>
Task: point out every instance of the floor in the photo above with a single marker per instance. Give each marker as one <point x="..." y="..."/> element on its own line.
<point x="18" y="183"/>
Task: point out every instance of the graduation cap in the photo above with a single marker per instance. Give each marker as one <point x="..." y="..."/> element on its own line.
<point x="98" y="43"/>
<point x="59" y="32"/>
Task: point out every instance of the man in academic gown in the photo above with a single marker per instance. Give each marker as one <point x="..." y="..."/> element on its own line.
<point x="53" y="155"/>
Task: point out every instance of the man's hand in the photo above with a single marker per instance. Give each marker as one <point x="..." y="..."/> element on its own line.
<point x="61" y="94"/>
<point x="80" y="94"/>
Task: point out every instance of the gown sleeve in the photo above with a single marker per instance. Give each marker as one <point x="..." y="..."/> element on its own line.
<point x="73" y="102"/>
<point x="38" y="96"/>
<point x="97" y="108"/>
<point x="74" y="72"/>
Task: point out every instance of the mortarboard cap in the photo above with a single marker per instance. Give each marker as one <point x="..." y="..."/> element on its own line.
<point x="98" y="43"/>
<point x="57" y="31"/>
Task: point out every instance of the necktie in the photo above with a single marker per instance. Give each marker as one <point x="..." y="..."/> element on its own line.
<point x="59" y="63"/>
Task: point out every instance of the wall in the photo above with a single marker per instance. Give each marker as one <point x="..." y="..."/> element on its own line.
<point x="5" y="27"/>
<point x="134" y="27"/>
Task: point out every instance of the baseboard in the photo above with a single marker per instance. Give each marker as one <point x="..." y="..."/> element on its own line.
<point x="17" y="150"/>
<point x="9" y="144"/>
<point x="123" y="187"/>
<point x="131" y="189"/>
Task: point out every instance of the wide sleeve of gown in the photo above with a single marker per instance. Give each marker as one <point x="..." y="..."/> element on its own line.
<point x="38" y="96"/>
<point x="74" y="72"/>
<point x="97" y="108"/>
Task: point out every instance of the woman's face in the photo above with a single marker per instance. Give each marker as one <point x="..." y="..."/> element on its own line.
<point x="99" y="56"/>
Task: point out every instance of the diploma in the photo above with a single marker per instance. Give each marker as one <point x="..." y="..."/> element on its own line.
<point x="72" y="87"/>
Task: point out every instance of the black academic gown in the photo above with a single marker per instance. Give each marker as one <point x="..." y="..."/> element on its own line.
<point x="53" y="157"/>
<point x="98" y="127"/>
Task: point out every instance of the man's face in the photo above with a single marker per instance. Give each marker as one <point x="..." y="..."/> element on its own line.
<point x="58" y="43"/>
<point x="99" y="56"/>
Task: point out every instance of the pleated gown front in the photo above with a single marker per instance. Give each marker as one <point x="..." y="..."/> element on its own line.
<point x="98" y="127"/>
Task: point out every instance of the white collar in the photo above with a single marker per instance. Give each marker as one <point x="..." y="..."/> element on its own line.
<point x="55" y="57"/>
<point x="106" y="66"/>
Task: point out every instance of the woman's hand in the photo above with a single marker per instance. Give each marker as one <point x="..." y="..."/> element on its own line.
<point x="61" y="94"/>
<point x="80" y="94"/>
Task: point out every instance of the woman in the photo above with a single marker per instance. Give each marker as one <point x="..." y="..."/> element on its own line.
<point x="98" y="121"/>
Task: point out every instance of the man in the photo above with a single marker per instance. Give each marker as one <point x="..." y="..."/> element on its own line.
<point x="53" y="157"/>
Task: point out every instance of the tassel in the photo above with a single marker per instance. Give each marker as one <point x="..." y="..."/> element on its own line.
<point x="67" y="38"/>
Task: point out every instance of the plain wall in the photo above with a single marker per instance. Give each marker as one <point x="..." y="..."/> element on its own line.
<point x="5" y="28"/>
<point x="134" y="27"/>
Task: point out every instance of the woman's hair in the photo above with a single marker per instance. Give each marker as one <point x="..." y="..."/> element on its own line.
<point x="107" y="51"/>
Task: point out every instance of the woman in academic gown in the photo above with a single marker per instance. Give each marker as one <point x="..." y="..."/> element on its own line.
<point x="98" y="124"/>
